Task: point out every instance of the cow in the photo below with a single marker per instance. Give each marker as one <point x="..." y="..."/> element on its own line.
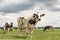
<point x="29" y="23"/>
<point x="8" y="27"/>
<point x="48" y="27"/>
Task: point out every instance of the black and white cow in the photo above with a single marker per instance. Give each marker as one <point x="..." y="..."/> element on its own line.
<point x="8" y="26"/>
<point x="48" y="27"/>
<point x="29" y="23"/>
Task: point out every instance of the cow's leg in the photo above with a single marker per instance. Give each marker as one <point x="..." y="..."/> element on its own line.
<point x="27" y="30"/>
<point x="11" y="29"/>
<point x="31" y="30"/>
<point x="8" y="29"/>
<point x="19" y="28"/>
<point x="20" y="31"/>
<point x="44" y="29"/>
<point x="51" y="28"/>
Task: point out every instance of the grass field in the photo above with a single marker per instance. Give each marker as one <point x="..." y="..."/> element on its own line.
<point x="37" y="35"/>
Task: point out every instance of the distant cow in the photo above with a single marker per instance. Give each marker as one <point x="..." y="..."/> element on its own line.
<point x="28" y="23"/>
<point x="8" y="26"/>
<point x="48" y="27"/>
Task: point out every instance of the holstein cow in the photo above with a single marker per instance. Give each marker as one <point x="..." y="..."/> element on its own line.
<point x="8" y="27"/>
<point x="48" y="27"/>
<point x="28" y="23"/>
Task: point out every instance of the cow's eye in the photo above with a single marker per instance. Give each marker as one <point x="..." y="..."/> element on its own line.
<point x="33" y="16"/>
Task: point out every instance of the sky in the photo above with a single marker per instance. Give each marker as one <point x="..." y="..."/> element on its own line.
<point x="10" y="10"/>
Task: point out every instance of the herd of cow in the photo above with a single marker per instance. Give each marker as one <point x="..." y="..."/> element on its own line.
<point x="27" y="24"/>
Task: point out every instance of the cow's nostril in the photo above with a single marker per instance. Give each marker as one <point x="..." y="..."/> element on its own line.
<point x="39" y="19"/>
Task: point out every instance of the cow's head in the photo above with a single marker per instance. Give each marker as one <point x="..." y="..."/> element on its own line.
<point x="6" y="23"/>
<point x="38" y="17"/>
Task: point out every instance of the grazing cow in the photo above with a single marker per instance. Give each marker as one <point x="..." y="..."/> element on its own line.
<point x="8" y="26"/>
<point x="28" y="23"/>
<point x="47" y="27"/>
<point x="11" y="26"/>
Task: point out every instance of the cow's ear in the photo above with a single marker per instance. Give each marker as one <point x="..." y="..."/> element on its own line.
<point x="42" y="15"/>
<point x="34" y="14"/>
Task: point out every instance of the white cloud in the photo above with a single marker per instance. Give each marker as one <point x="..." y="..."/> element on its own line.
<point x="58" y="6"/>
<point x="5" y="3"/>
<point x="58" y="0"/>
<point x="50" y="18"/>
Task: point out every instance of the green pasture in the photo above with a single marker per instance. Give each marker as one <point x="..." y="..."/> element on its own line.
<point x="37" y="35"/>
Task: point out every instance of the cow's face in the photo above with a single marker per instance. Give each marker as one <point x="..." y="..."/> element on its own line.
<point x="36" y="17"/>
<point x="6" y="23"/>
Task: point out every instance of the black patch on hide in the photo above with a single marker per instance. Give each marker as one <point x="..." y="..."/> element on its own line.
<point x="32" y="21"/>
